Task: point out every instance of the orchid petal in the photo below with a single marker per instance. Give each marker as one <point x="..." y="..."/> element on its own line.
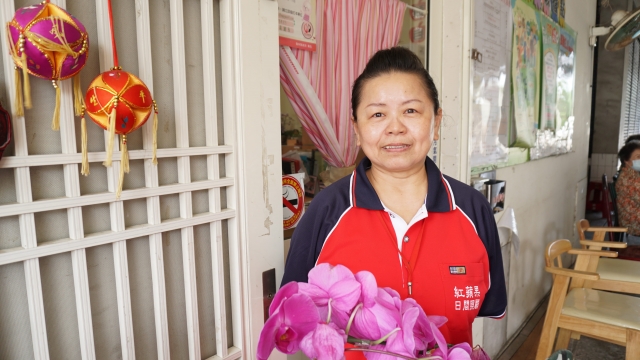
<point x="326" y="342"/>
<point x="403" y="341"/>
<point x="464" y="346"/>
<point x="438" y="320"/>
<point x="285" y="292"/>
<point x="479" y="354"/>
<point x="325" y="275"/>
<point x="458" y="354"/>
<point x="319" y="296"/>
<point x="300" y="313"/>
<point x="369" y="288"/>
<point x="439" y="338"/>
<point x="267" y="340"/>
<point x="345" y="294"/>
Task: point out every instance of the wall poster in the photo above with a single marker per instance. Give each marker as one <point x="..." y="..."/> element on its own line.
<point x="297" y="23"/>
<point x="550" y="49"/>
<point x="525" y="75"/>
<point x="491" y="92"/>
<point x="557" y="139"/>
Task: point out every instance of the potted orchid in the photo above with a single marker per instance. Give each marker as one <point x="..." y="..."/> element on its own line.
<point x="337" y="307"/>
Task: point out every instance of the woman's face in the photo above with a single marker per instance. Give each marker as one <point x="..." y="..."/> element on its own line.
<point x="635" y="155"/>
<point x="396" y="123"/>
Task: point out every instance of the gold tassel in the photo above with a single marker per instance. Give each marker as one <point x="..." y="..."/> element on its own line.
<point x="78" y="98"/>
<point x="85" y="153"/>
<point x="25" y="78"/>
<point x="155" y="133"/>
<point x="18" y="105"/>
<point x="55" y="123"/>
<point x="124" y="164"/>
<point x="112" y="133"/>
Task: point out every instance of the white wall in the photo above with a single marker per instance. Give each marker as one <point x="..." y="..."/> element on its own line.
<point x="547" y="195"/>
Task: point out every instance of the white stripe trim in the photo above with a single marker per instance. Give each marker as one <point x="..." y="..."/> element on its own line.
<point x="468" y="218"/>
<point x="351" y="193"/>
<point x="331" y="232"/>
<point x="341" y="216"/>
<point x="453" y="198"/>
<point x="495" y="317"/>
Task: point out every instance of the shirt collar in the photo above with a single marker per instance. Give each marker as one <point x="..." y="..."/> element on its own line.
<point x="438" y="199"/>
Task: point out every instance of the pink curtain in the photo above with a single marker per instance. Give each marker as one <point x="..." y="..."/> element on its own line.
<point x="319" y="83"/>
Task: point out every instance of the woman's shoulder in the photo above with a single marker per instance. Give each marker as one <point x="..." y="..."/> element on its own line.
<point x="336" y="196"/>
<point x="465" y="194"/>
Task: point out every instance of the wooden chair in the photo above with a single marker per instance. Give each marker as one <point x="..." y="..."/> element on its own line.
<point x="615" y="274"/>
<point x="598" y="314"/>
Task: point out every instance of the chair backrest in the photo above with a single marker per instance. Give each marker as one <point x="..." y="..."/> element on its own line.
<point x="582" y="226"/>
<point x="606" y="204"/>
<point x="553" y="252"/>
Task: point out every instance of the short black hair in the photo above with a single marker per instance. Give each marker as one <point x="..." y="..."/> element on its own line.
<point x="635" y="137"/>
<point x="395" y="59"/>
<point x="625" y="152"/>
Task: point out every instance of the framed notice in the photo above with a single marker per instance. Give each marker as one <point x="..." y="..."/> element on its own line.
<point x="297" y="24"/>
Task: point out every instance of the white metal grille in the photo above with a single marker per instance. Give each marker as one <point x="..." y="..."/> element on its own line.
<point x="149" y="276"/>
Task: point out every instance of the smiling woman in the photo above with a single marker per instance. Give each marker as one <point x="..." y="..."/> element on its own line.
<point x="424" y="234"/>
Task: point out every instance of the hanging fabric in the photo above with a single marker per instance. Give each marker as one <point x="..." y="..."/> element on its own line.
<point x="318" y="84"/>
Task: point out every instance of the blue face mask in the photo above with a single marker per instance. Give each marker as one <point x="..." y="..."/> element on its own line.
<point x="636" y="165"/>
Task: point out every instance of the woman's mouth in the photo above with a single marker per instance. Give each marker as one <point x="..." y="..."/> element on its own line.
<point x="395" y="147"/>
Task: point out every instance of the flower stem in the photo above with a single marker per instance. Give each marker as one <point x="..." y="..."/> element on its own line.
<point x="353" y="315"/>
<point x="384" y="338"/>
<point x="329" y="312"/>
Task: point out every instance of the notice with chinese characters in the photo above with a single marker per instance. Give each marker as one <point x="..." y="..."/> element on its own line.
<point x="297" y="23"/>
<point x="491" y="90"/>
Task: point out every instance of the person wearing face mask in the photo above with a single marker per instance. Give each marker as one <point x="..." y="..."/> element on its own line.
<point x="628" y="190"/>
<point x="420" y="232"/>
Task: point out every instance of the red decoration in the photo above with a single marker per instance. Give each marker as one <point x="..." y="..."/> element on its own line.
<point x="120" y="103"/>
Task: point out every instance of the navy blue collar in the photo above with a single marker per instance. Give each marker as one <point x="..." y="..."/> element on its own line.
<point x="438" y="196"/>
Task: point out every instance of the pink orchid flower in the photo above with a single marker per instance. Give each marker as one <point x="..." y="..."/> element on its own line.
<point x="284" y="293"/>
<point x="403" y="342"/>
<point x="332" y="288"/>
<point x="479" y="354"/>
<point x="460" y="351"/>
<point x="372" y="320"/>
<point x="326" y="342"/>
<point x="295" y="317"/>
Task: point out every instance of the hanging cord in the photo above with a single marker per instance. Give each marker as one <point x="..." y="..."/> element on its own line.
<point x="113" y="38"/>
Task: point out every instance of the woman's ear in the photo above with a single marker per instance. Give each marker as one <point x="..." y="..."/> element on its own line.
<point x="436" y="124"/>
<point x="354" y="123"/>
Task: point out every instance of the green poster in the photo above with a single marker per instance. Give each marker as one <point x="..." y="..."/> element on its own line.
<point x="566" y="76"/>
<point x="550" y="47"/>
<point x="525" y="73"/>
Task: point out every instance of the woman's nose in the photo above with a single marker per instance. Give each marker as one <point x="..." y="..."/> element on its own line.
<point x="396" y="125"/>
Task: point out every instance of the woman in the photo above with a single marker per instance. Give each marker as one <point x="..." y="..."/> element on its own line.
<point x="419" y="232"/>
<point x="628" y="190"/>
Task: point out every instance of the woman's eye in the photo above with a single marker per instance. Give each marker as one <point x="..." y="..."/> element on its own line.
<point x="411" y="111"/>
<point x="377" y="114"/>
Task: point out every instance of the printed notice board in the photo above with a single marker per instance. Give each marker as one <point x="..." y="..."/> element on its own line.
<point x="297" y="24"/>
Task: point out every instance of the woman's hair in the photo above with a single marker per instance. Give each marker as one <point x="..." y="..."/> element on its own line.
<point x="395" y="59"/>
<point x="625" y="152"/>
<point x="635" y="137"/>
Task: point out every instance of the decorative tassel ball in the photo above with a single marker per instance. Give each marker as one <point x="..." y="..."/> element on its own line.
<point x="48" y="42"/>
<point x="120" y="103"/>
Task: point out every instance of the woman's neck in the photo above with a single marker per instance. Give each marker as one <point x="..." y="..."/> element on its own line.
<point x="402" y="193"/>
